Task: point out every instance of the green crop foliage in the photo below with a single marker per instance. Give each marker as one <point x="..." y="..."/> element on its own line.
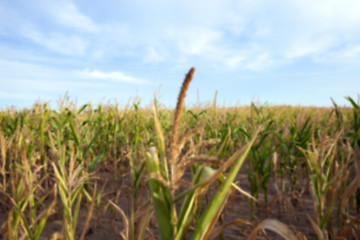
<point x="52" y="159"/>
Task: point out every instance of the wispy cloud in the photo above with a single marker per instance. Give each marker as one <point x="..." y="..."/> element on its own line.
<point x="74" y="45"/>
<point x="46" y="85"/>
<point x="258" y="63"/>
<point x="349" y="55"/>
<point x="66" y="13"/>
<point x="154" y="55"/>
<point x="113" y="76"/>
<point x="57" y="42"/>
<point x="196" y="40"/>
<point x="22" y="96"/>
<point x="235" y="35"/>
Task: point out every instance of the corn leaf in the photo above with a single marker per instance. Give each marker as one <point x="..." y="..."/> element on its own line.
<point x="217" y="201"/>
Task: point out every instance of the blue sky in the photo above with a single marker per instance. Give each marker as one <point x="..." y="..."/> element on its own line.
<point x="275" y="51"/>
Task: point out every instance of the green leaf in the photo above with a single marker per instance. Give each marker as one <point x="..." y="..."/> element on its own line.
<point x="82" y="108"/>
<point x="94" y="162"/>
<point x="74" y="134"/>
<point x="159" y="195"/>
<point x="353" y="103"/>
<point x="39" y="228"/>
<point x="90" y="144"/>
<point x="160" y="143"/>
<point x="76" y="213"/>
<point x="207" y="218"/>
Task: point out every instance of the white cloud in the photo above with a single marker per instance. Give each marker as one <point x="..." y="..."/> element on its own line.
<point x="154" y="55"/>
<point x="34" y="78"/>
<point x="23" y="69"/>
<point x="340" y="15"/>
<point x="233" y="61"/>
<point x="348" y="55"/>
<point x="310" y="45"/>
<point x="51" y="85"/>
<point x="196" y="40"/>
<point x="22" y="96"/>
<point x="54" y="14"/>
<point x="232" y="37"/>
<point x="259" y="62"/>
<point x="319" y="27"/>
<point x="61" y="43"/>
<point x="245" y="34"/>
<point x="351" y="52"/>
<point x="258" y="35"/>
<point x="66" y="13"/>
<point x="114" y="76"/>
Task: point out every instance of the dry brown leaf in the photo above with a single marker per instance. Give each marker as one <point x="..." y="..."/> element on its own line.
<point x="126" y="222"/>
<point x="316" y="228"/>
<point x="219" y="229"/>
<point x="350" y="190"/>
<point x="275" y="226"/>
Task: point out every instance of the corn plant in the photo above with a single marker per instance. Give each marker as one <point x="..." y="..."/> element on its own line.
<point x="260" y="156"/>
<point x="299" y="136"/>
<point x="165" y="172"/>
<point x="47" y="158"/>
<point x="354" y="135"/>
<point x="70" y="173"/>
<point x="324" y="176"/>
<point x="26" y="219"/>
<point x="70" y="187"/>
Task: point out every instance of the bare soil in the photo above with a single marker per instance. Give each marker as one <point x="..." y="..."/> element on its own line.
<point x="107" y="224"/>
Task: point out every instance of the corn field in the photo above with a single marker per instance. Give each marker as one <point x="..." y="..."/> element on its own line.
<point x="110" y="172"/>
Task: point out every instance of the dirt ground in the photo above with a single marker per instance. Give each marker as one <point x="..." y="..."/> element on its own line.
<point x="106" y="224"/>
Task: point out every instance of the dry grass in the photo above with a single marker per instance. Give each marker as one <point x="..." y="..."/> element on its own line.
<point x="86" y="169"/>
